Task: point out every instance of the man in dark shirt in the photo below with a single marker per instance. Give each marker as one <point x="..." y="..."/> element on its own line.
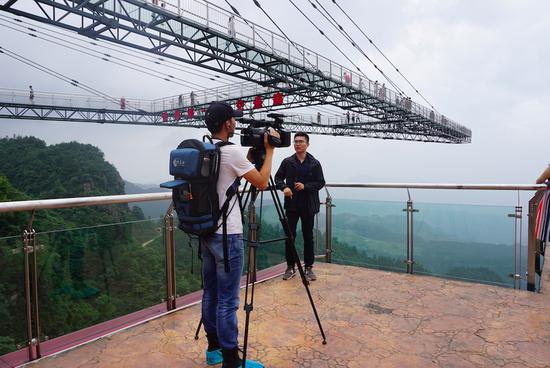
<point x="300" y="177"/>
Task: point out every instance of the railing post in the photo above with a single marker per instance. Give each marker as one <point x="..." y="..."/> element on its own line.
<point x="316" y="234"/>
<point x="28" y="303"/>
<point x="207" y="16"/>
<point x="170" y="258"/>
<point x="517" y="216"/>
<point x="288" y="51"/>
<point x="31" y="290"/>
<point x="410" y="256"/>
<point x="533" y="250"/>
<point x="328" y="229"/>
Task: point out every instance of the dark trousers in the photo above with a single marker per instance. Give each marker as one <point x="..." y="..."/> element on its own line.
<point x="307" y="232"/>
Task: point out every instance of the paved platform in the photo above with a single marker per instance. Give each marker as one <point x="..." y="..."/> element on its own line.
<point x="371" y="318"/>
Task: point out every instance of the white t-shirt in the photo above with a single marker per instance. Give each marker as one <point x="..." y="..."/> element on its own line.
<point x="233" y="164"/>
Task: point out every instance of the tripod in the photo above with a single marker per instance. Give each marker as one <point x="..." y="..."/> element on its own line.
<point x="253" y="244"/>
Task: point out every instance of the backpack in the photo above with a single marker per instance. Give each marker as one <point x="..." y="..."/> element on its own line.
<point x="195" y="166"/>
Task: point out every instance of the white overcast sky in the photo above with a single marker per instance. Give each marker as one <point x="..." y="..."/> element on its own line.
<point x="482" y="63"/>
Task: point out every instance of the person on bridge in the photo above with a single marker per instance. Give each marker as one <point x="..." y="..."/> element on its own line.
<point x="31" y="94"/>
<point x="231" y="28"/>
<point x="544" y="176"/>
<point x="300" y="177"/>
<point x="220" y="299"/>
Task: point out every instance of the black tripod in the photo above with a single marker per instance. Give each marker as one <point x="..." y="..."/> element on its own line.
<point x="253" y="244"/>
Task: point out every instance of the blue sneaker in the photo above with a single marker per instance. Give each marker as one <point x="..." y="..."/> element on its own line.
<point x="214" y="357"/>
<point x="253" y="364"/>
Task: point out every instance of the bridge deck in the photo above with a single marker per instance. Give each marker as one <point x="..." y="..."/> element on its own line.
<point x="372" y="319"/>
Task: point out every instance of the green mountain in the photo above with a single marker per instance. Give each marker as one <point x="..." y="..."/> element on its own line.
<point x="94" y="263"/>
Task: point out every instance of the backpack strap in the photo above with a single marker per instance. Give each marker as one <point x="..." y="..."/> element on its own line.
<point x="231" y="191"/>
<point x="229" y="194"/>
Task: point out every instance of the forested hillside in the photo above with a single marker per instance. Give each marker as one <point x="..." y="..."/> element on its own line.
<point x="95" y="263"/>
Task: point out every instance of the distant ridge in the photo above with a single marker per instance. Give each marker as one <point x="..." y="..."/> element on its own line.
<point x="150" y="209"/>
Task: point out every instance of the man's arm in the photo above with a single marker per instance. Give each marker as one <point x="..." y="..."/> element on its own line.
<point x="544" y="176"/>
<point x="319" y="181"/>
<point x="260" y="179"/>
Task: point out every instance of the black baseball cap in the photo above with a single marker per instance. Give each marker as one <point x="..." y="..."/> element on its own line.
<point x="218" y="112"/>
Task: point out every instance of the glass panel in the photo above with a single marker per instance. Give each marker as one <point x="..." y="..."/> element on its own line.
<point x="188" y="264"/>
<point x="12" y="295"/>
<point x="470" y="242"/>
<point x="94" y="274"/>
<point x="273" y="253"/>
<point x="368" y="233"/>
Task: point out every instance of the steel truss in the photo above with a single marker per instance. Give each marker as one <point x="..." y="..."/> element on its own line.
<point x="372" y="129"/>
<point x="143" y="26"/>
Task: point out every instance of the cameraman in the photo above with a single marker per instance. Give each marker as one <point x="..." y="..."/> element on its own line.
<point x="221" y="289"/>
<point x="300" y="177"/>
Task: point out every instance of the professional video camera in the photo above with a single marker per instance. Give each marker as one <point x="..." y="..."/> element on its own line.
<point x="253" y="135"/>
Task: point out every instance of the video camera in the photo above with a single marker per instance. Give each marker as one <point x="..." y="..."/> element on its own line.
<point x="253" y="135"/>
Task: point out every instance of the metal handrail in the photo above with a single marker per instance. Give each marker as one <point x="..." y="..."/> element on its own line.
<point x="439" y="186"/>
<point x="43" y="204"/>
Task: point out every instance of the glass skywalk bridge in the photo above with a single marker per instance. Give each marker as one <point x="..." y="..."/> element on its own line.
<point x="174" y="112"/>
<point x="64" y="287"/>
<point x="195" y="32"/>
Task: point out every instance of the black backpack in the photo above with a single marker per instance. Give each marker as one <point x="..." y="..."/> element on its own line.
<point x="195" y="166"/>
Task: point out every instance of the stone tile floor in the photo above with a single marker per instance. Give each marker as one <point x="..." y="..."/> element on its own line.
<point x="371" y="318"/>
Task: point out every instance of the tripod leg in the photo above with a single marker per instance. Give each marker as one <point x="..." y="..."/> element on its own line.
<point x="251" y="269"/>
<point x="198" y="329"/>
<point x="288" y="233"/>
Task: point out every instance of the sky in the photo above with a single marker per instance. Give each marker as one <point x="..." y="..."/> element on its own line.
<point x="481" y="63"/>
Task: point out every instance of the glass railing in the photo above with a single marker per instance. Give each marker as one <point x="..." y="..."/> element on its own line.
<point x="368" y="233"/>
<point x="13" y="334"/>
<point x="187" y="264"/>
<point x="467" y="242"/>
<point x="94" y="273"/>
<point x="470" y="242"/>
<point x="65" y="100"/>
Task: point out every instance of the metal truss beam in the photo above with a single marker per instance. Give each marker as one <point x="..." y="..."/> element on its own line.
<point x="381" y="130"/>
<point x="190" y="38"/>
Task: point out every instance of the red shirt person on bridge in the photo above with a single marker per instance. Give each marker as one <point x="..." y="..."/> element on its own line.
<point x="277" y="99"/>
<point x="258" y="102"/>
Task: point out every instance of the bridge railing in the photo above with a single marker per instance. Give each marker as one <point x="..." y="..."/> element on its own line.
<point x="205" y="96"/>
<point x="98" y="272"/>
<point x="261" y="38"/>
<point x="76" y="100"/>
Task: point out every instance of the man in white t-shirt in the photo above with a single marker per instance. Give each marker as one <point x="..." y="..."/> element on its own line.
<point x="220" y="299"/>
